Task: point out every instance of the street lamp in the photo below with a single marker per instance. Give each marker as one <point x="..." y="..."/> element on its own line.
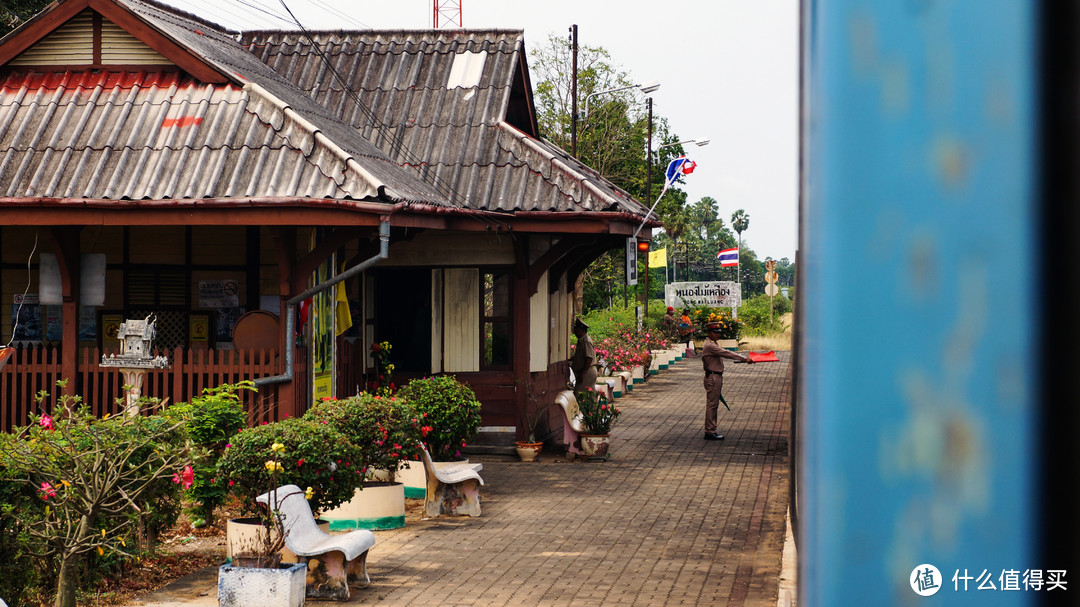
<point x="646" y="87"/>
<point x="700" y="141"/>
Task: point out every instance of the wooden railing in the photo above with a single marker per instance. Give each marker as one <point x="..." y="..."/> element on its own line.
<point x="35" y="369"/>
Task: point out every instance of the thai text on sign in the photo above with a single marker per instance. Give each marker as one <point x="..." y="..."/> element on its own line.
<point x="714" y="294"/>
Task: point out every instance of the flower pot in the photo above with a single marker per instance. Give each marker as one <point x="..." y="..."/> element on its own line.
<point x="283" y="586"/>
<point x="379" y="505"/>
<point x="595" y="445"/>
<point x="246" y="535"/>
<point x="637" y="374"/>
<point x="528" y="452"/>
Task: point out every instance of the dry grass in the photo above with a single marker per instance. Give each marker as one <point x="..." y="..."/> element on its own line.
<point x="778" y="341"/>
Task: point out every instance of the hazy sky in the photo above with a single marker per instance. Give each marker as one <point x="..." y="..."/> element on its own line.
<point x="728" y="71"/>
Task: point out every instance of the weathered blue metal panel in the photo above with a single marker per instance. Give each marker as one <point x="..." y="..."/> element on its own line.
<point x="917" y="262"/>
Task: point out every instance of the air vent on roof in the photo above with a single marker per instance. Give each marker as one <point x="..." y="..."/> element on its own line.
<point x="467" y="70"/>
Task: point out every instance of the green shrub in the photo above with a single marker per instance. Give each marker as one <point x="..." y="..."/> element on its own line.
<point x="211" y="420"/>
<point x="16" y="501"/>
<point x="315" y="455"/>
<point x="96" y="482"/>
<point x="754" y="314"/>
<point x="449" y="408"/>
<point x="386" y="430"/>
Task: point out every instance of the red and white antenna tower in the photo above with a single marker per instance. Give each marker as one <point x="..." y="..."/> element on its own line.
<point x="447" y="13"/>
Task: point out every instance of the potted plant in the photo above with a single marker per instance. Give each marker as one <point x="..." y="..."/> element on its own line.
<point x="387" y="432"/>
<point x="449" y="408"/>
<point x="315" y="456"/>
<point x="529" y="450"/>
<point x="597" y="418"/>
<point x="259" y="576"/>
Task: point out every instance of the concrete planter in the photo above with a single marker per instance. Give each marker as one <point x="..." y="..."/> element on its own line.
<point x="245" y="536"/>
<point x="637" y="374"/>
<point x="284" y="586"/>
<point x="595" y="445"/>
<point x="729" y="344"/>
<point x="379" y="505"/>
<point x="410" y="474"/>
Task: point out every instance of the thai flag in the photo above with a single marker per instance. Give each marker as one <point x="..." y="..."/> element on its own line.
<point x="729" y="257"/>
<point x="680" y="166"/>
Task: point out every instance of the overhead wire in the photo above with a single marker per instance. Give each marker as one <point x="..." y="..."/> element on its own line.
<point x="29" y="279"/>
<point x="334" y="11"/>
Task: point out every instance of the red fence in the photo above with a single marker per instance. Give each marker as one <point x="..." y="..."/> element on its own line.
<point x="32" y="370"/>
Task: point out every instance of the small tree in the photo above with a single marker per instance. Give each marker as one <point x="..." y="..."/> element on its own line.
<point x="211" y="420"/>
<point x="92" y="476"/>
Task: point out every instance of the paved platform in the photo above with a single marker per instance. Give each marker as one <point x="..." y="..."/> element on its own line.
<point x="671" y="519"/>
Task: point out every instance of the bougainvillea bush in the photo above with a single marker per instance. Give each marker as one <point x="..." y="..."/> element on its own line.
<point x="101" y="486"/>
<point x="628" y="348"/>
<point x="313" y="454"/>
<point x="449" y="408"/>
<point x="386" y="430"/>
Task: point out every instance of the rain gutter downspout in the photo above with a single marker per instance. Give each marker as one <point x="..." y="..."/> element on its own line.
<point x="290" y="304"/>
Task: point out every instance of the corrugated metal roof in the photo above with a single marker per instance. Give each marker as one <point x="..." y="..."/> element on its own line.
<point x="155" y="136"/>
<point x="395" y="92"/>
<point x="220" y="49"/>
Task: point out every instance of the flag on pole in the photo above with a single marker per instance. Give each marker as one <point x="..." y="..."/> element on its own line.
<point x="678" y="167"/>
<point x="658" y="259"/>
<point x="729" y="257"/>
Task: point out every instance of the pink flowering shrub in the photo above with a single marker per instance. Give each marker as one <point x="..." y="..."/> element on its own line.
<point x="386" y="430"/>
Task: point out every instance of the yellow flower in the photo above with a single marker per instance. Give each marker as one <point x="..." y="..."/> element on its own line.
<point x="100" y="551"/>
<point x="277" y="448"/>
<point x="272" y="466"/>
<point x="309" y="493"/>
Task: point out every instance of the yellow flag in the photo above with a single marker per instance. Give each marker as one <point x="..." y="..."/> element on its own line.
<point x="658" y="259"/>
<point x="342" y="316"/>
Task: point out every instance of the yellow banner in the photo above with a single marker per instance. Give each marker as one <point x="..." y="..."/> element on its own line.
<point x="658" y="259"/>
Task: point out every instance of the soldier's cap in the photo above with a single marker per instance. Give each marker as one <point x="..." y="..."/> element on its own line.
<point x="712" y="326"/>
<point x="579" y="325"/>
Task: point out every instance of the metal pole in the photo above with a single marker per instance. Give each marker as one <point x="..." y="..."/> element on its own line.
<point x="648" y="196"/>
<point x="573" y="90"/>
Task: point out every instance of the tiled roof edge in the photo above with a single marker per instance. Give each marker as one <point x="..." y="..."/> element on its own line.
<point x="349" y="174"/>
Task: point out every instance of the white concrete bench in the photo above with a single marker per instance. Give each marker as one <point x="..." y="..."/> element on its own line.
<point x="572" y="426"/>
<point x="452" y="488"/>
<point x="334" y="561"/>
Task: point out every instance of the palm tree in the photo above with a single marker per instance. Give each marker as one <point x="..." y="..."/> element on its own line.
<point x="739" y="222"/>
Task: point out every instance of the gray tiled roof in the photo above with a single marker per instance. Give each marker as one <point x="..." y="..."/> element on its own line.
<point x="287" y="126"/>
<point x="395" y="91"/>
<point x="160" y="135"/>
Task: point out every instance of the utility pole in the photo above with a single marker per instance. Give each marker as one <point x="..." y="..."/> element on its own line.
<point x="573" y="90"/>
<point x="648" y="196"/>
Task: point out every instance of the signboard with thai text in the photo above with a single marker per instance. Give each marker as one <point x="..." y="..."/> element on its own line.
<point x="714" y="294"/>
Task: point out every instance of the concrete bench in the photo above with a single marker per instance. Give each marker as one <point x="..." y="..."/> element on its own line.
<point x="572" y="426"/>
<point x="334" y="561"/>
<point x="606" y="386"/>
<point x="628" y="381"/>
<point x="452" y="488"/>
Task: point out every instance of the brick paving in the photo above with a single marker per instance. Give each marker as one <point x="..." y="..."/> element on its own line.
<point x="670" y="519"/>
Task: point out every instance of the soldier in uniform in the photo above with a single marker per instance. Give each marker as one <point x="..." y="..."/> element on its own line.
<point x="583" y="363"/>
<point x="712" y="359"/>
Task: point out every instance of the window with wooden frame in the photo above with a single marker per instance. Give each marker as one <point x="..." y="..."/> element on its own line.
<point x="496" y="328"/>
